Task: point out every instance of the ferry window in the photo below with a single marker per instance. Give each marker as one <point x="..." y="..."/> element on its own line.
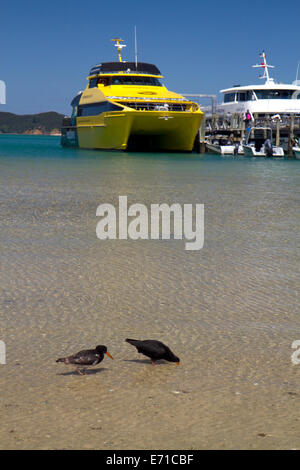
<point x="74" y="115"/>
<point x="74" y="112"/>
<point x="229" y="97"/>
<point x="274" y="94"/>
<point x="103" y="81"/>
<point x="116" y="81"/>
<point x="93" y="83"/>
<point x="96" y="108"/>
<point x="75" y="101"/>
<point x="74" y="104"/>
<point x="136" y="80"/>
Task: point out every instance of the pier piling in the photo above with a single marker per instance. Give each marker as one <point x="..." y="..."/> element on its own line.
<point x="291" y="136"/>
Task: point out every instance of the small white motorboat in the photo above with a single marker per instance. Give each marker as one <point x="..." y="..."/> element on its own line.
<point x="224" y="147"/>
<point x="264" y="151"/>
<point x="259" y="147"/>
<point x="296" y="151"/>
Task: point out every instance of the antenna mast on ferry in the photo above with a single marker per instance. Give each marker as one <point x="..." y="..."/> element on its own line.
<point x="265" y="66"/>
<point x="135" y="47"/>
<point x="119" y="47"/>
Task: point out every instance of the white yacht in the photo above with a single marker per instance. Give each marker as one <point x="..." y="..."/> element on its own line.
<point x="270" y="98"/>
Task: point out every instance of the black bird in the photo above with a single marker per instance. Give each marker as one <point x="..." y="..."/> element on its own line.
<point x="87" y="357"/>
<point x="154" y="349"/>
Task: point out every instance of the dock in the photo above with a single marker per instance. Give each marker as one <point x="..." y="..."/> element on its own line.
<point x="285" y="129"/>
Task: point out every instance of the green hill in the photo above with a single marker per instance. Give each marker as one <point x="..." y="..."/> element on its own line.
<point x="43" y="123"/>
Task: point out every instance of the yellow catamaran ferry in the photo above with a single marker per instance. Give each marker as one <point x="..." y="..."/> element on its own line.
<point x="125" y="107"/>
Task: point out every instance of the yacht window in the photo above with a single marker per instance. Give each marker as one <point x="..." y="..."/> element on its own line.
<point x="245" y="96"/>
<point x="96" y="108"/>
<point x="274" y="94"/>
<point x="136" y="80"/>
<point x="242" y="96"/>
<point x="229" y="97"/>
<point x="250" y="96"/>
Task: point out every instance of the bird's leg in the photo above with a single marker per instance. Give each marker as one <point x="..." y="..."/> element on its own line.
<point x="152" y="362"/>
<point x="80" y="372"/>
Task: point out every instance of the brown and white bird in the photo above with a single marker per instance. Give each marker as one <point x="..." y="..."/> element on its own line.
<point x="86" y="357"/>
<point x="154" y="349"/>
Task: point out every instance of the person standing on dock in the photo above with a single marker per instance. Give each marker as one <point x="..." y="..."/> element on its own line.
<point x="248" y="119"/>
<point x="228" y="119"/>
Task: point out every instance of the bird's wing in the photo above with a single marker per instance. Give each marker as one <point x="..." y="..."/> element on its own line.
<point x="85" y="357"/>
<point x="153" y="347"/>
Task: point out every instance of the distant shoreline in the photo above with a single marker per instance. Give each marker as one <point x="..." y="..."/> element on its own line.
<point x="31" y="134"/>
<point x="31" y="124"/>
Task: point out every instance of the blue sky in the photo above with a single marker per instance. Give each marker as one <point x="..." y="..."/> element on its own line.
<point x="48" y="47"/>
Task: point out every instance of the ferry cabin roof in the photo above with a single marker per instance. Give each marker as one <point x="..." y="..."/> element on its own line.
<point x="124" y="67"/>
<point x="124" y="73"/>
<point x="125" y="81"/>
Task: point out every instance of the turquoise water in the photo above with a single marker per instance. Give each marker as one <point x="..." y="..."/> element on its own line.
<point x="233" y="306"/>
<point x="49" y="197"/>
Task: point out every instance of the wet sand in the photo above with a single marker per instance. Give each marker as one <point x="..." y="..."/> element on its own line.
<point x="212" y="401"/>
<point x="229" y="311"/>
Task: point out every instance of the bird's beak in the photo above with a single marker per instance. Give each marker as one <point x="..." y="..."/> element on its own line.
<point x="107" y="353"/>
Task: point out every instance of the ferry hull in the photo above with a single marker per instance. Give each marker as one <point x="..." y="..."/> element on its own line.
<point x="148" y="130"/>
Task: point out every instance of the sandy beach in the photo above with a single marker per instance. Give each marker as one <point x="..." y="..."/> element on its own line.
<point x="159" y="407"/>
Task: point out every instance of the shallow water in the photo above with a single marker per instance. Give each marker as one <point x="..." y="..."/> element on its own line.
<point x="229" y="311"/>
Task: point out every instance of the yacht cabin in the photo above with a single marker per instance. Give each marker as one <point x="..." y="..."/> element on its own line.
<point x="269" y="98"/>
